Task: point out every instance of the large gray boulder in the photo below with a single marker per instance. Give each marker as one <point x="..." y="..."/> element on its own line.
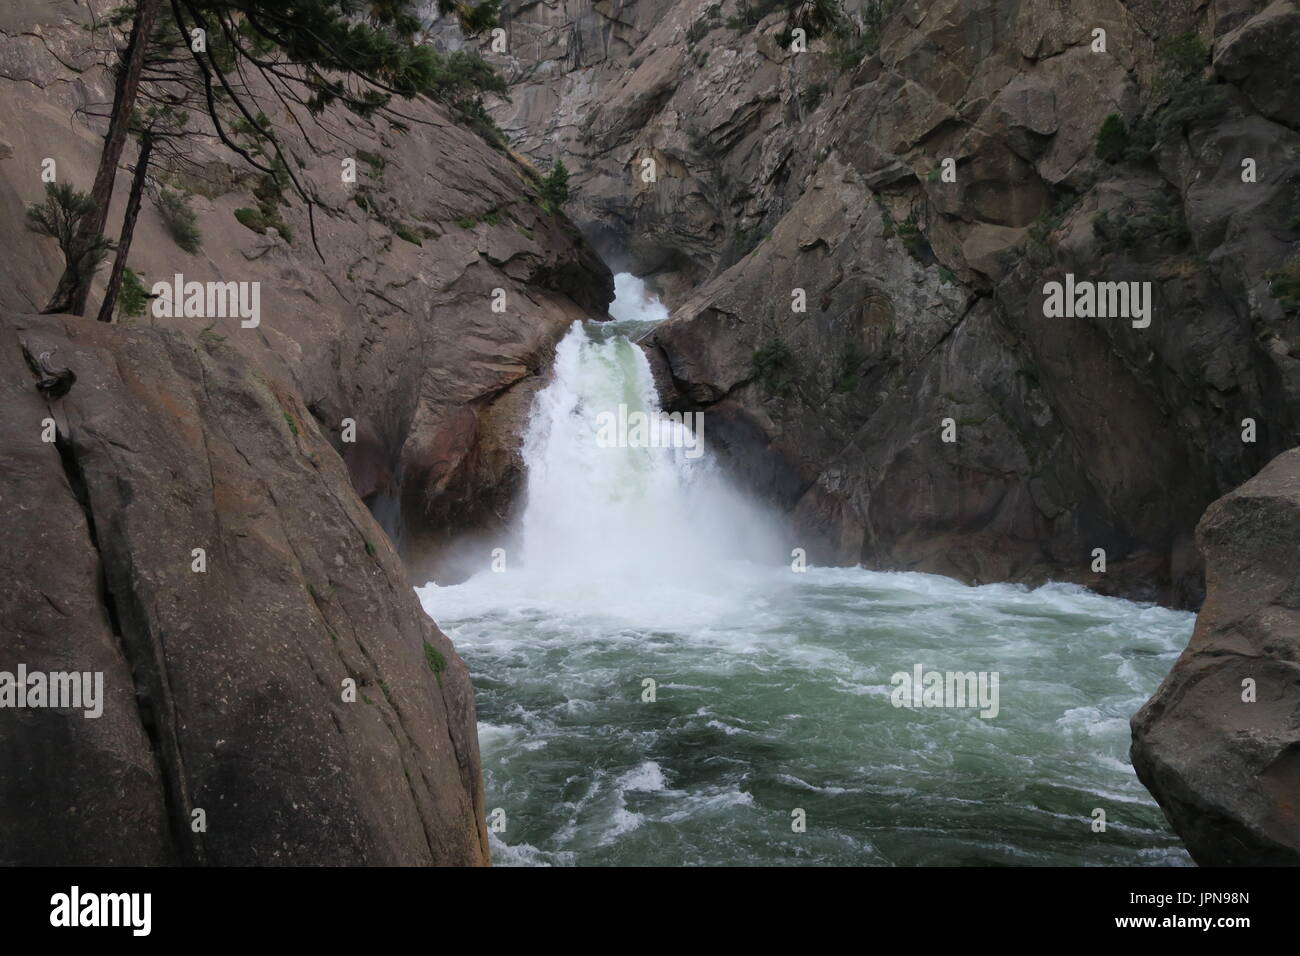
<point x="226" y="689"/>
<point x="1219" y="743"/>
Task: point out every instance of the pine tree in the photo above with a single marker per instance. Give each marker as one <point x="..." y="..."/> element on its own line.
<point x="312" y="54"/>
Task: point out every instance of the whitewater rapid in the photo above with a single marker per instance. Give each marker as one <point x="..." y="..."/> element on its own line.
<point x="772" y="688"/>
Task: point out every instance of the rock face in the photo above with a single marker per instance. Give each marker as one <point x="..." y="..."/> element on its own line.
<point x="924" y="291"/>
<point x="387" y="319"/>
<point x="1224" y="763"/>
<point x="226" y="688"/>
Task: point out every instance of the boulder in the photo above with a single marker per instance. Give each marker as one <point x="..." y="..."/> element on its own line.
<point x="274" y="694"/>
<point x="1218" y="745"/>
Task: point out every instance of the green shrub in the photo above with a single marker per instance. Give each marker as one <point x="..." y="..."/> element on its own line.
<point x="434" y="658"/>
<point x="179" y="219"/>
<point x="908" y="232"/>
<point x="555" y="185"/>
<point x="252" y="219"/>
<point x="62" y="217"/>
<point x="1284" y="285"/>
<point x="477" y="18"/>
<point x="1182" y="54"/>
<point x="376" y="163"/>
<point x="1112" y="139"/>
<point x="471" y="110"/>
<point x="133" y="296"/>
<point x="269" y="194"/>
<point x="1179" y="93"/>
<point x="258" y="221"/>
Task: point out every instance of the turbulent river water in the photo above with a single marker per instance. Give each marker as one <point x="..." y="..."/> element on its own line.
<point x="772" y="736"/>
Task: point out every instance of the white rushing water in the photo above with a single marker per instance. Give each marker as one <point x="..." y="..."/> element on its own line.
<point x="773" y="688"/>
<point x="625" y="518"/>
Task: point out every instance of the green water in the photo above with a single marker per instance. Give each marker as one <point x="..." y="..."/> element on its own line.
<point x="772" y="687"/>
<point x="778" y="698"/>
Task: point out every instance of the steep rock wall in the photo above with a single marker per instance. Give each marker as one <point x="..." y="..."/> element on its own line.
<point x="823" y="171"/>
<point x="226" y="688"/>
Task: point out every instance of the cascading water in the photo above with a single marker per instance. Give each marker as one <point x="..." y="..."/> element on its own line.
<point x="620" y="513"/>
<point x="772" y="689"/>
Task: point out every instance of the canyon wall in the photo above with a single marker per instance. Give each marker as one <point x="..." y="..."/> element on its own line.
<point x="923" y="292"/>
<point x="225" y="687"/>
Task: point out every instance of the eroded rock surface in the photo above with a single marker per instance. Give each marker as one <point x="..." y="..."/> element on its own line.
<point x="1219" y="743"/>
<point x="386" y="319"/>
<point x="823" y="171"/>
<point x="225" y="688"/>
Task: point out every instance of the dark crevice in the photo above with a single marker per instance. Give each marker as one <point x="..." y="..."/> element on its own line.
<point x="108" y="599"/>
<point x="77" y="482"/>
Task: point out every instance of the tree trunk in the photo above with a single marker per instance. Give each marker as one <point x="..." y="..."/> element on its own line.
<point x="128" y="228"/>
<point x="124" y="94"/>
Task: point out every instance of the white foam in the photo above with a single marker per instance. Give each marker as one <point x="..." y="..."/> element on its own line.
<point x="646" y="778"/>
<point x="634" y="302"/>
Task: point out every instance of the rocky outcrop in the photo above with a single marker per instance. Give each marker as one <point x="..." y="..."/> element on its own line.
<point x="386" y="319"/>
<point x="230" y="732"/>
<point x="1219" y="743"/>
<point x="191" y="534"/>
<point x="920" y="178"/>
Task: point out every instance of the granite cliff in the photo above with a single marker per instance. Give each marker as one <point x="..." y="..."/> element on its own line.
<point x="226" y="686"/>
<point x="920" y="173"/>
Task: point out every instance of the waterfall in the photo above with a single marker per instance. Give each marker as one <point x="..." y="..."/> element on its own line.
<point x="645" y="507"/>
<point x="655" y="684"/>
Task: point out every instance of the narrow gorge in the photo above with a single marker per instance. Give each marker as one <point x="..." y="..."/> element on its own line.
<point x="387" y="575"/>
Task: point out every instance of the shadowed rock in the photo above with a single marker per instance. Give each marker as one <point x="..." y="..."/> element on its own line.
<point x="1219" y="743"/>
<point x="823" y="171"/>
